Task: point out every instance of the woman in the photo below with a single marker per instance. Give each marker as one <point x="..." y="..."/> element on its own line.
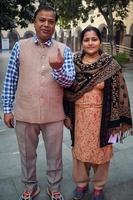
<point x="97" y="112"/>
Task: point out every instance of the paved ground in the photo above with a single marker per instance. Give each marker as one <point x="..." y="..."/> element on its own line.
<point x="120" y="183"/>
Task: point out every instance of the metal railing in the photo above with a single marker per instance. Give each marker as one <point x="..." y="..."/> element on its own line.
<point x="119" y="49"/>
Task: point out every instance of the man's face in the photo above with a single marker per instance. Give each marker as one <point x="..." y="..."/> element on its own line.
<point x="45" y="24"/>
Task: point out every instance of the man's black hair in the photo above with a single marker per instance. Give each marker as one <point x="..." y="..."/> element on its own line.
<point x="45" y="7"/>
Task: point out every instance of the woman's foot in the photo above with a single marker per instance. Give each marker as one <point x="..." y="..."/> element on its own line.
<point x="79" y="192"/>
<point x="97" y="194"/>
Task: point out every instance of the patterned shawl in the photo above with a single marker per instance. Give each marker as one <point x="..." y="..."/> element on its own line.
<point x="116" y="113"/>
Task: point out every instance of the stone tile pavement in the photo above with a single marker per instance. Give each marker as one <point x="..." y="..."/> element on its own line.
<point x="120" y="182"/>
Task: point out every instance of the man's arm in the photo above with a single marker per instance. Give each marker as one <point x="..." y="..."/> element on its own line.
<point x="65" y="75"/>
<point x="10" y="85"/>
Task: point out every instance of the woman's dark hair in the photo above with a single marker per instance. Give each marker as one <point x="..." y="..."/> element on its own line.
<point x="90" y="28"/>
<point x="45" y="8"/>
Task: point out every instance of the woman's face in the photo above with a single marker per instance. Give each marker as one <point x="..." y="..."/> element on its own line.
<point x="91" y="43"/>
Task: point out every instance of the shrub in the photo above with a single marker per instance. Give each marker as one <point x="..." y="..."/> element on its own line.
<point x="122" y="58"/>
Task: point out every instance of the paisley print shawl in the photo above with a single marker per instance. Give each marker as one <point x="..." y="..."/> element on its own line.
<point x="116" y="112"/>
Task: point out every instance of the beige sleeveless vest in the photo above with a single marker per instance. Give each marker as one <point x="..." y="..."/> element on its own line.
<point x="39" y="98"/>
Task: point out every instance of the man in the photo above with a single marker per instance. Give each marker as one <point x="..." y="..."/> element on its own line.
<point x="38" y="69"/>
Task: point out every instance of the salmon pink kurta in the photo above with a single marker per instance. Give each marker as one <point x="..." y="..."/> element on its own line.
<point x="87" y="128"/>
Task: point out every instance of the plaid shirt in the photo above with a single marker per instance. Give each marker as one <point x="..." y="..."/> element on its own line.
<point x="64" y="75"/>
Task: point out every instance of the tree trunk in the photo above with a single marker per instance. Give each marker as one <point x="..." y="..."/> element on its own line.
<point x="107" y="14"/>
<point x="110" y="28"/>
